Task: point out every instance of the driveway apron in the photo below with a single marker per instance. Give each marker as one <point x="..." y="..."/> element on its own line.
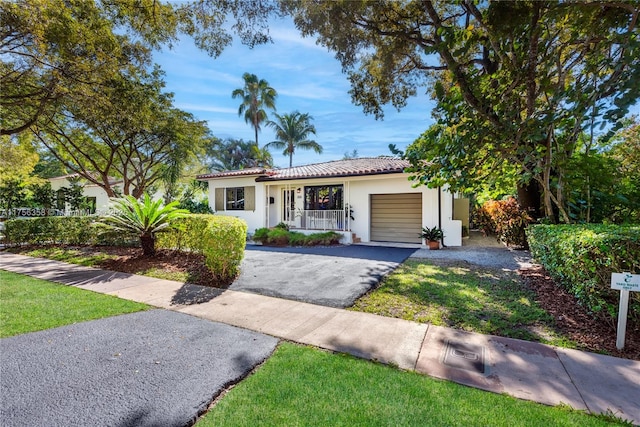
<point x="331" y="276"/>
<point x="152" y="368"/>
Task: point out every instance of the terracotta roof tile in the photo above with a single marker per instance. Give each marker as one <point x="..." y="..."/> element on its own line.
<point x="351" y="167"/>
<point x="337" y="168"/>
<point x="239" y="172"/>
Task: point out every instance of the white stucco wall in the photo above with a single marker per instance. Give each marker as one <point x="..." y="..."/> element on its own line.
<point x="89" y="190"/>
<point x="361" y="190"/>
<point x="357" y="192"/>
<point x="255" y="218"/>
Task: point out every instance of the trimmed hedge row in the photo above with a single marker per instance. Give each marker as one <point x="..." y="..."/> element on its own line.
<point x="221" y="239"/>
<point x="61" y="230"/>
<point x="279" y="236"/>
<point x="582" y="257"/>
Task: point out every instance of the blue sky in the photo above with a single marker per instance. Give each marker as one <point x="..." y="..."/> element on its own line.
<point x="307" y="78"/>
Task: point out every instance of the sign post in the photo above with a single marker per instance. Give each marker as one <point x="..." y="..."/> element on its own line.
<point x="625" y="283"/>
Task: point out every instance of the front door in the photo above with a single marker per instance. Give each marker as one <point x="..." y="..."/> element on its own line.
<point x="289" y="207"/>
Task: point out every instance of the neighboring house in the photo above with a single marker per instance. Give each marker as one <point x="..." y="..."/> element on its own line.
<point x="375" y="192"/>
<point x="96" y="196"/>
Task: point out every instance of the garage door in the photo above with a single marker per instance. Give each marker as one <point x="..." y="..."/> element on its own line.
<point x="396" y="217"/>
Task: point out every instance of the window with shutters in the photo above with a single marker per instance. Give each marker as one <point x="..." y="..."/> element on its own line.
<point x="235" y="199"/>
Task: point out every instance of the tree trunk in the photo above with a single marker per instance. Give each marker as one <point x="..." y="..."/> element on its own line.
<point x="529" y="198"/>
<point x="148" y="242"/>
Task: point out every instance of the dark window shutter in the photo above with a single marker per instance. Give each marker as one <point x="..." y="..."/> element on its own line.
<point x="250" y="198"/>
<point x="219" y="199"/>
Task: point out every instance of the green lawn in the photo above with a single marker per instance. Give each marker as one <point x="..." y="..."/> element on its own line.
<point x="72" y="256"/>
<point x="28" y="304"/>
<point x="303" y="386"/>
<point x="464" y="297"/>
<point x="94" y="259"/>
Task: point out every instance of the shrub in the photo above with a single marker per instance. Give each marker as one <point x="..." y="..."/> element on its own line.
<point x="220" y="239"/>
<point x="261" y="235"/>
<point x="506" y="219"/>
<point x="143" y="219"/>
<point x="581" y="258"/>
<point x="225" y="240"/>
<point x="278" y="236"/>
<point x="281" y="237"/>
<point x="53" y="230"/>
<point x="282" y="225"/>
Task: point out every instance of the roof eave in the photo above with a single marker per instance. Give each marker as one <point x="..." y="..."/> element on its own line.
<point x="341" y="175"/>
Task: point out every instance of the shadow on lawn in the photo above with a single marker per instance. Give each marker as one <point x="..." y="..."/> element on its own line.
<point x="463" y="297"/>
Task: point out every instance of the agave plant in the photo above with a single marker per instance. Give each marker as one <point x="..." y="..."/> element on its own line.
<point x="143" y="218"/>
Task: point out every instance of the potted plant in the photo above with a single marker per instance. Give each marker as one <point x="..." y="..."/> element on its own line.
<point x="432" y="236"/>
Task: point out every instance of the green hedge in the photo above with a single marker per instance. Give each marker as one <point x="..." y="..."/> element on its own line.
<point x="582" y="257"/>
<point x="280" y="236"/>
<point x="221" y="239"/>
<point x="61" y="230"/>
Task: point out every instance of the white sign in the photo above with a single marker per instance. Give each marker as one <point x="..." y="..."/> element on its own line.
<point x="625" y="282"/>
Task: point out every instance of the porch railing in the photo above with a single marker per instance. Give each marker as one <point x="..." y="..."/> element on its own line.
<point x="319" y="219"/>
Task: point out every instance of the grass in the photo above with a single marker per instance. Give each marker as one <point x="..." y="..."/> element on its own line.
<point x="464" y="297"/>
<point x="303" y="386"/>
<point x="72" y="256"/>
<point x="94" y="259"/>
<point x="28" y="304"/>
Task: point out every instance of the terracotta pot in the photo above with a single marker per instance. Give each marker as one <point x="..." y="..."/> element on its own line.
<point x="433" y="244"/>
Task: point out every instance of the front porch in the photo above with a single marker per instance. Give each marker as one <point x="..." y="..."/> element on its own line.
<point x="314" y="208"/>
<point x="318" y="220"/>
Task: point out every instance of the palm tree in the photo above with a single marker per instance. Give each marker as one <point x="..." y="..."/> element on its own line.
<point x="232" y="154"/>
<point x="292" y="131"/>
<point x="256" y="94"/>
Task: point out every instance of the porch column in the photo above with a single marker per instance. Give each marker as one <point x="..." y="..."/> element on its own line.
<point x="267" y="205"/>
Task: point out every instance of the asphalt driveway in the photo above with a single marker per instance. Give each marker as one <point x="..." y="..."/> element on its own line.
<point x="333" y="276"/>
<point x="152" y="368"/>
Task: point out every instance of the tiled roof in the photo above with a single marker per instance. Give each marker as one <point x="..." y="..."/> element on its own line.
<point x="337" y="168"/>
<point x="239" y="172"/>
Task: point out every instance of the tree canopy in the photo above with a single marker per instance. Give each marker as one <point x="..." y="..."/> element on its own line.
<point x="78" y="76"/>
<point x="53" y="50"/>
<point x="516" y="83"/>
<point x="234" y="154"/>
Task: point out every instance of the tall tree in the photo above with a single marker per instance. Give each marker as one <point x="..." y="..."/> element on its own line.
<point x="292" y="131"/>
<point x="18" y="159"/>
<point x="255" y="96"/>
<point x="53" y="50"/>
<point x="133" y="135"/>
<point x="516" y="82"/>
<point x="234" y="154"/>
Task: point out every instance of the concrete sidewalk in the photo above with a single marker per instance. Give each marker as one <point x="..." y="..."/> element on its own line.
<point x="521" y="369"/>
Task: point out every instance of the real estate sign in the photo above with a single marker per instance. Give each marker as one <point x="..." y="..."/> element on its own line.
<point x="625" y="283"/>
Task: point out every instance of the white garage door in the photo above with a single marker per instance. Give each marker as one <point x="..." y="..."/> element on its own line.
<point x="396" y="217"/>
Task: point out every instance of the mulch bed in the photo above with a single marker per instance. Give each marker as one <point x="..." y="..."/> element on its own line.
<point x="574" y="321"/>
<point x="131" y="260"/>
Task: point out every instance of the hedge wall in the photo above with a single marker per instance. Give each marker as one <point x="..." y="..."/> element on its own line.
<point x="221" y="239"/>
<point x="61" y="230"/>
<point x="582" y="257"/>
